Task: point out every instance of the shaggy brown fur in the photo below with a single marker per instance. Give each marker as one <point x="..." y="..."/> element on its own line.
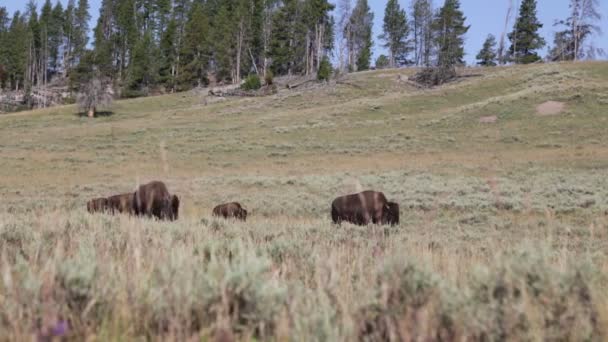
<point x="122" y="203"/>
<point x="364" y="208"/>
<point x="230" y="210"/>
<point x="153" y="200"/>
<point x="97" y="205"/>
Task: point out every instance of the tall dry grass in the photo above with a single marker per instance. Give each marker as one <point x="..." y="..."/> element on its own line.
<point x="120" y="278"/>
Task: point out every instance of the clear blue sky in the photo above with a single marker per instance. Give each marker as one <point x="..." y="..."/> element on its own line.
<point x="484" y="16"/>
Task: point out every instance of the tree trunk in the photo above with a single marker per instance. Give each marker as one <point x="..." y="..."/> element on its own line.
<point x="91" y="112"/>
<point x="239" y="49"/>
<point x="501" y="46"/>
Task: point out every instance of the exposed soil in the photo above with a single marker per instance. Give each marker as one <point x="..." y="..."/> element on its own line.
<point x="550" y="108"/>
<point x="488" y="119"/>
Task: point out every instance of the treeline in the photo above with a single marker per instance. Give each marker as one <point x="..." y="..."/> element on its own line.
<point x="144" y="46"/>
<point x="36" y="46"/>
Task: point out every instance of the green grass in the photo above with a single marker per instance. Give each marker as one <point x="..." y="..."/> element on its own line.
<point x="503" y="230"/>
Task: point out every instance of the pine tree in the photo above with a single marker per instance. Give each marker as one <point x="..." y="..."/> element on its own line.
<point x="103" y="41"/>
<point x="283" y="45"/>
<point x="359" y="41"/>
<point x="33" y="71"/>
<point x="163" y="16"/>
<point x="46" y="21"/>
<point x="181" y="9"/>
<point x="143" y="66"/>
<point x="525" y="38"/>
<point x="56" y="35"/>
<point x="256" y="44"/>
<point x="382" y="62"/>
<point x="126" y="34"/>
<point x="195" y="50"/>
<point x="168" y="63"/>
<point x="317" y="21"/>
<point x="4" y="47"/>
<point x="422" y="19"/>
<point x="68" y="33"/>
<point x="224" y="37"/>
<point x="81" y="28"/>
<point x="487" y="55"/>
<point x="450" y="29"/>
<point x="18" y="49"/>
<point x="324" y="72"/>
<point x="396" y="32"/>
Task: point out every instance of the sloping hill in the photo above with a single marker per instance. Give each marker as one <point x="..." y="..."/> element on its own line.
<point x="380" y="125"/>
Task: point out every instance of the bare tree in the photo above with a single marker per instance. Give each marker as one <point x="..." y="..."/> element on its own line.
<point x="501" y="47"/>
<point x="345" y="9"/>
<point x="584" y="16"/>
<point x="94" y="94"/>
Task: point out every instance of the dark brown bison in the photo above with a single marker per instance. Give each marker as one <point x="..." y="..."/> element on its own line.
<point x="122" y="203"/>
<point x="97" y="205"/>
<point x="227" y="210"/>
<point x="364" y="208"/>
<point x="153" y="200"/>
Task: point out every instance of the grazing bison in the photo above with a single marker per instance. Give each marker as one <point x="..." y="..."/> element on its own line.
<point x="364" y="208"/>
<point x="97" y="205"/>
<point x="122" y="203"/>
<point x="153" y="200"/>
<point x="233" y="209"/>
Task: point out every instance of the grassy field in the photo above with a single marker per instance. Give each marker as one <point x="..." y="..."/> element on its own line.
<point x="503" y="234"/>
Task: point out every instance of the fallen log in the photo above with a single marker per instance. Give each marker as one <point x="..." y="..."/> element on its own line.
<point x="265" y="91"/>
<point x="294" y="86"/>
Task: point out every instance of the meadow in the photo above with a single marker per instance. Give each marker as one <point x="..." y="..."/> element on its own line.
<point x="504" y="213"/>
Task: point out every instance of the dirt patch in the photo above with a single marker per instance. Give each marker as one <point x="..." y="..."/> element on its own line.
<point x="550" y="108"/>
<point x="488" y="119"/>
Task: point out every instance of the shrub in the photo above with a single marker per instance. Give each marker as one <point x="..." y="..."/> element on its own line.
<point x="324" y="72"/>
<point x="403" y="293"/>
<point x="269" y="78"/>
<point x="434" y="76"/>
<point x="252" y="82"/>
<point x="94" y="94"/>
<point x="382" y="62"/>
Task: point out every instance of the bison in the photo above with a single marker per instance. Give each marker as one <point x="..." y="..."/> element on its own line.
<point x="234" y="210"/>
<point x="97" y="205"/>
<point x="364" y="208"/>
<point x="153" y="200"/>
<point x="122" y="203"/>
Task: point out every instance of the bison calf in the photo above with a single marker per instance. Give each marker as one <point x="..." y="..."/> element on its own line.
<point x="153" y="200"/>
<point x="364" y="208"/>
<point x="227" y="210"/>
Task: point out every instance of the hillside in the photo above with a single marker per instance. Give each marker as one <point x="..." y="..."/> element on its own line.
<point x="256" y="144"/>
<point x="495" y="183"/>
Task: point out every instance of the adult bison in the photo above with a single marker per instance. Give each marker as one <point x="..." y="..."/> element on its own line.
<point x="153" y="200"/>
<point x="97" y="205"/>
<point x="122" y="203"/>
<point x="233" y="209"/>
<point x="364" y="208"/>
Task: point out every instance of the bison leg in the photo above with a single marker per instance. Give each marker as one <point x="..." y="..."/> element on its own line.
<point x="335" y="217"/>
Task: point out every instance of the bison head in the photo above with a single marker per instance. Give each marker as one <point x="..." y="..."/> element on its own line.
<point x="391" y="214"/>
<point x="169" y="208"/>
<point x="242" y="214"/>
